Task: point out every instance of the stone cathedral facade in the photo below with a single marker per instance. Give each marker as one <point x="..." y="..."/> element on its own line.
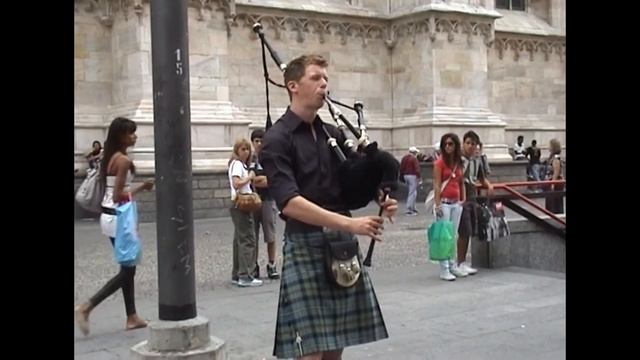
<point x="420" y="67"/>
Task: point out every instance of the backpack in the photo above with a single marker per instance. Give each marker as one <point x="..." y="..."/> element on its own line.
<point x="483" y="218"/>
<point x="492" y="223"/>
<point x="547" y="172"/>
<point x="91" y="191"/>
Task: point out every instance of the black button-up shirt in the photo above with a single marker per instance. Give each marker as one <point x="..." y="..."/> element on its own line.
<point x="296" y="164"/>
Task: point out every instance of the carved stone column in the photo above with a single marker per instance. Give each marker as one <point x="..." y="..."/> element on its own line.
<point x="132" y="79"/>
<point x="93" y="69"/>
<point x="129" y="90"/>
<point x="557" y="14"/>
<point x="440" y="76"/>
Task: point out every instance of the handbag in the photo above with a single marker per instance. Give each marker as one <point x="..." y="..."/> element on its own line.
<point x="126" y="247"/>
<point x="440" y="237"/>
<point x="248" y="202"/>
<point x="431" y="196"/>
<point x="342" y="262"/>
<point x="91" y="191"/>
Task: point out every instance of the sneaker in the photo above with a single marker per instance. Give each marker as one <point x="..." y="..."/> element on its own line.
<point x="272" y="272"/>
<point x="249" y="282"/>
<point x="446" y="275"/>
<point x="457" y="271"/>
<point x="468" y="269"/>
<point x="234" y="281"/>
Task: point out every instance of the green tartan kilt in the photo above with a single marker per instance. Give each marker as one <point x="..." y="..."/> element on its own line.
<point x="323" y="316"/>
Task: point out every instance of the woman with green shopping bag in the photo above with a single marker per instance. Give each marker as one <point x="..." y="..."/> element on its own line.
<point x="448" y="199"/>
<point x="441" y="236"/>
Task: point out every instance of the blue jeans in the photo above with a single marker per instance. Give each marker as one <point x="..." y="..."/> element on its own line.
<point x="412" y="185"/>
<point x="453" y="213"/>
<point x="535" y="172"/>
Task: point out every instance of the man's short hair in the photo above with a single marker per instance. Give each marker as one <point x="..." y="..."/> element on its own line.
<point x="296" y="67"/>
<point x="471" y="134"/>
<point x="257" y="133"/>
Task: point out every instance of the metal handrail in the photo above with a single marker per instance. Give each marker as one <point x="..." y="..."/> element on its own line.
<point x="508" y="187"/>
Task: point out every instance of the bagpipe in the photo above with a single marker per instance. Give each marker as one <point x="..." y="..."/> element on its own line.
<point x="365" y="171"/>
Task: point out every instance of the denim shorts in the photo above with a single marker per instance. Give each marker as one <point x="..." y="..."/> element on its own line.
<point x="469" y="219"/>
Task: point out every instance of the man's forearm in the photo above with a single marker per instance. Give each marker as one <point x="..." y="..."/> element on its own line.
<point x="304" y="210"/>
<point x="260" y="181"/>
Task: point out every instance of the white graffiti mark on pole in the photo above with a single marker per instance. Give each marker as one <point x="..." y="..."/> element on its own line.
<point x="179" y="217"/>
<point x="186" y="258"/>
<point x="187" y="268"/>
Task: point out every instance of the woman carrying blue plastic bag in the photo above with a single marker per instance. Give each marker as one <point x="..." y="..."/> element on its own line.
<point x="127" y="249"/>
<point x="117" y="171"/>
<point x="448" y="198"/>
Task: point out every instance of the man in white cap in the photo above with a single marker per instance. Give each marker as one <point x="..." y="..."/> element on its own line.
<point x="410" y="170"/>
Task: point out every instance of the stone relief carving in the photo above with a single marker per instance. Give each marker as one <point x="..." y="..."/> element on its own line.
<point x="104" y="10"/>
<point x="227" y="6"/>
<point x="518" y="46"/>
<point x="320" y="27"/>
<point x="136" y="5"/>
<point x="390" y="33"/>
<point x="107" y="8"/>
<point x="430" y="24"/>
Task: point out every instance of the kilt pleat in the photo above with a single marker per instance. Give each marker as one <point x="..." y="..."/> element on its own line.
<point x="319" y="314"/>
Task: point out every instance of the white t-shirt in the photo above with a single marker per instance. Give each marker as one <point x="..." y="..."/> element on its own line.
<point x="237" y="168"/>
<point x="519" y="151"/>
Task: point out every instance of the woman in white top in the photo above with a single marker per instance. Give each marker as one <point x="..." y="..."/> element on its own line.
<point x="244" y="238"/>
<point x="117" y="170"/>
